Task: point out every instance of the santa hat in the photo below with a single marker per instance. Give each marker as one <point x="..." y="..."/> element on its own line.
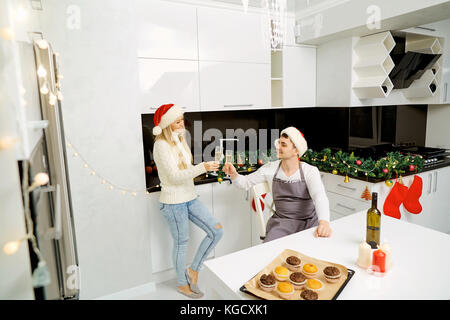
<point x="164" y="116"/>
<point x="297" y="138"/>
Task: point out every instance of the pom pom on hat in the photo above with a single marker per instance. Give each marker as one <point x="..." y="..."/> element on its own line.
<point x="164" y="116"/>
<point x="157" y="130"/>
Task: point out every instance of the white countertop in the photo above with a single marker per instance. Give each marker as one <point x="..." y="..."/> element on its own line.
<point x="420" y="258"/>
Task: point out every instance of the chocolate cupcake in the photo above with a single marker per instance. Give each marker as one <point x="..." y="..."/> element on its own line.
<point x="297" y="279"/>
<point x="309" y="295"/>
<point x="332" y="274"/>
<point x="267" y="282"/>
<point x="293" y="263"/>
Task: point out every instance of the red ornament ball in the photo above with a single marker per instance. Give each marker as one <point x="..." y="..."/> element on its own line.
<point x="412" y="167"/>
<point x="358" y="162"/>
<point x="385" y="170"/>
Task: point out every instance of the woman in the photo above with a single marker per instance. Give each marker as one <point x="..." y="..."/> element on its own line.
<point x="178" y="200"/>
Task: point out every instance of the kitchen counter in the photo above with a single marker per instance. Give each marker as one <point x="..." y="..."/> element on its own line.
<point x="202" y="179"/>
<point x="419" y="255"/>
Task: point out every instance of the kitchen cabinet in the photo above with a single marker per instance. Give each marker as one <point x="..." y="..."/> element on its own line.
<point x="234" y="85"/>
<point x="294" y="77"/>
<point x="230" y="35"/>
<point x="232" y="209"/>
<point x="345" y="198"/>
<point x="434" y="200"/>
<point x="164" y="81"/>
<point x="161" y="240"/>
<point x="166" y="30"/>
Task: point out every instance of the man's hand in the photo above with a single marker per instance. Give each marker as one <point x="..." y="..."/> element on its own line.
<point x="229" y="169"/>
<point x="323" y="230"/>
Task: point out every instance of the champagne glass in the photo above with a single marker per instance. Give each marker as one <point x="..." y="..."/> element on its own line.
<point x="228" y="158"/>
<point x="218" y="154"/>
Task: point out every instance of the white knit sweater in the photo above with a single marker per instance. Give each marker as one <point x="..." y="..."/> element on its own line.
<point x="177" y="186"/>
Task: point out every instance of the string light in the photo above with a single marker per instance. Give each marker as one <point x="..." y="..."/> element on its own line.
<point x="7" y="142"/>
<point x="41" y="72"/>
<point x="110" y="185"/>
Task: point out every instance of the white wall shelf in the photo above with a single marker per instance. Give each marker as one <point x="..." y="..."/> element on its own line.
<point x="422" y="44"/>
<point x="426" y="86"/>
<point x="372" y="66"/>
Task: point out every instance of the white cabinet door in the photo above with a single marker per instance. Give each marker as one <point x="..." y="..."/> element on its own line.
<point x="434" y="200"/>
<point x="166" y="30"/>
<point x="168" y="81"/>
<point x="299" y="76"/>
<point x="233" y="211"/>
<point x="230" y="85"/>
<point x="161" y="240"/>
<point x="229" y="35"/>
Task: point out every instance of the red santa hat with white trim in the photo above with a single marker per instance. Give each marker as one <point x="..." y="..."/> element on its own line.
<point x="297" y="138"/>
<point x="164" y="116"/>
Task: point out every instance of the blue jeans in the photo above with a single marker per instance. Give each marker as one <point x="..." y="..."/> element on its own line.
<point x="178" y="216"/>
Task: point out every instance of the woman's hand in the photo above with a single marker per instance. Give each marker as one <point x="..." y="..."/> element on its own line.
<point x="323" y="230"/>
<point x="229" y="169"/>
<point x="211" y="165"/>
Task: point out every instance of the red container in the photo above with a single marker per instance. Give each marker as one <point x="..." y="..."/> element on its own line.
<point x="379" y="261"/>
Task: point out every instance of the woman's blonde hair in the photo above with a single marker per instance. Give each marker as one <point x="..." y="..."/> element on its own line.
<point x="166" y="135"/>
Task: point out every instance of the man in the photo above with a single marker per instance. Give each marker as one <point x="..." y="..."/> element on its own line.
<point x="297" y="189"/>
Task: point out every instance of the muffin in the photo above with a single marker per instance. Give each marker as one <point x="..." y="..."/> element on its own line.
<point x="281" y="273"/>
<point x="309" y="270"/>
<point x="285" y="290"/>
<point x="332" y="274"/>
<point x="314" y="284"/>
<point x="298" y="280"/>
<point x="309" y="295"/>
<point x="293" y="263"/>
<point x="267" y="282"/>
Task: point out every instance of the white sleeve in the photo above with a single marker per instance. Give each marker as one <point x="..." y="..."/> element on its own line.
<point x="248" y="181"/>
<point x="317" y="192"/>
<point x="166" y="164"/>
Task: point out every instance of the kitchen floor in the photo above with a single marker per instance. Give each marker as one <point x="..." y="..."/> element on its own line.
<point x="168" y="291"/>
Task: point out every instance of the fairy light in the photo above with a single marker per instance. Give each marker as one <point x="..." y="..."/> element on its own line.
<point x="7" y="142"/>
<point x="41" y="72"/>
<point x="44" y="89"/>
<point x="103" y="181"/>
<point x="52" y="99"/>
<point x="42" y="44"/>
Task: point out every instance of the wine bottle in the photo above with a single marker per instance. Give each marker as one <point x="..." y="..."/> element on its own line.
<point x="373" y="223"/>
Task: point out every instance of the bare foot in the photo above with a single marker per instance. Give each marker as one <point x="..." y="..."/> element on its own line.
<point x="194" y="275"/>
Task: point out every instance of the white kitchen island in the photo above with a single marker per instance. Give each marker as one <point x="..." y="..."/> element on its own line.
<point x="420" y="258"/>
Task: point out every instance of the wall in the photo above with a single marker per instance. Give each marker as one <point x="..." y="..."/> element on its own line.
<point x="96" y="44"/>
<point x="438" y="132"/>
<point x="15" y="270"/>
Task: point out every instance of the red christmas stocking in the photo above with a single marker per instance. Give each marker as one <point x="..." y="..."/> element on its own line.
<point x="394" y="200"/>
<point x="411" y="202"/>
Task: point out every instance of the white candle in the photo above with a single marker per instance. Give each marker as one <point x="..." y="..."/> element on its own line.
<point x="364" y="255"/>
<point x="386" y="248"/>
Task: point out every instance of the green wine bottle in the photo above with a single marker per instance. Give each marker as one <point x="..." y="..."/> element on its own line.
<point x="373" y="223"/>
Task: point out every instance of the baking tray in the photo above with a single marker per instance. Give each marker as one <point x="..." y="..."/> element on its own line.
<point x="349" y="276"/>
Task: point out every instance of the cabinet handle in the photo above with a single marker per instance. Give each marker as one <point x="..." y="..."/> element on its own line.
<point x="435" y="181"/>
<point x="350" y="188"/>
<point x="445" y="91"/>
<point x="429" y="186"/>
<point x="238" y="105"/>
<point x="348" y="208"/>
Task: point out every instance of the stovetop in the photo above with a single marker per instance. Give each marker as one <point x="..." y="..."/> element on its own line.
<point x="432" y="156"/>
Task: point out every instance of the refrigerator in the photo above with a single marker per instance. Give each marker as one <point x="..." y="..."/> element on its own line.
<point x="50" y="205"/>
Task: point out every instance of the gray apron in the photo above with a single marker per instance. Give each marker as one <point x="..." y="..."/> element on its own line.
<point x="295" y="210"/>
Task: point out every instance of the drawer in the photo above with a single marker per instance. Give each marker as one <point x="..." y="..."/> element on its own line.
<point x="345" y="205"/>
<point x="352" y="189"/>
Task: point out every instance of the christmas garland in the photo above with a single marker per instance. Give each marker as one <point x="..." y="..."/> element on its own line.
<point x="388" y="167"/>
